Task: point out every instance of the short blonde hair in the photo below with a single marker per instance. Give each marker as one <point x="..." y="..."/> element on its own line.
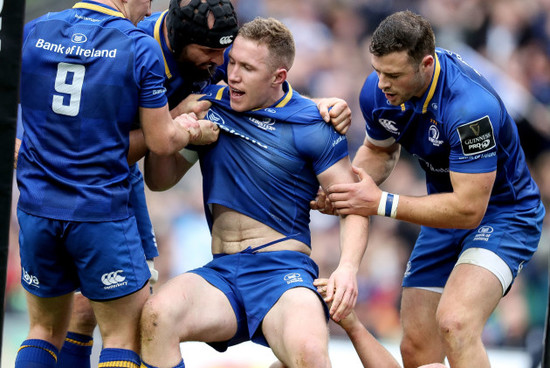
<point x="276" y="36"/>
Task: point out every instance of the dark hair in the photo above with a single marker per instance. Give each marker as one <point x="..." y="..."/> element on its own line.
<point x="404" y="31"/>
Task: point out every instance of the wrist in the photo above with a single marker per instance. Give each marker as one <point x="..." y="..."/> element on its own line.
<point x="388" y="205"/>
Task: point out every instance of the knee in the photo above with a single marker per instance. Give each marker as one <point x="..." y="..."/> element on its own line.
<point x="151" y="318"/>
<point x="312" y="354"/>
<point x="157" y="317"/>
<point x="454" y="328"/>
<point x="83" y="321"/>
<point x="409" y="346"/>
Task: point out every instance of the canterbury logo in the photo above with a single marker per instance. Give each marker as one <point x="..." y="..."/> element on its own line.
<point x="226" y="40"/>
<point x="112" y="278"/>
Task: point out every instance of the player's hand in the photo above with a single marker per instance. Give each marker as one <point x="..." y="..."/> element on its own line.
<point x="322" y="204"/>
<point x="335" y="111"/>
<point x="191" y="104"/>
<point x="209" y="133"/>
<point x="341" y="291"/>
<point x="361" y="198"/>
<point x="347" y="322"/>
<point x="190" y="124"/>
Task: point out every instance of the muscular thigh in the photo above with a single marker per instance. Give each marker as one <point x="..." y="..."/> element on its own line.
<point x="418" y="309"/>
<point x="298" y="317"/>
<point x="199" y="310"/>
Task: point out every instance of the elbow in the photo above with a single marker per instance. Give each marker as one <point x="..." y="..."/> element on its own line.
<point x="155" y="187"/>
<point x="471" y="217"/>
<point x="163" y="148"/>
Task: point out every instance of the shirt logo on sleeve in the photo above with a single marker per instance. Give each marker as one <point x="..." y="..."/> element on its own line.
<point x="477" y="136"/>
<point x="389" y="125"/>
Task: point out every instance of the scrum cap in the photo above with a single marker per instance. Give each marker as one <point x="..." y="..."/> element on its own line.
<point x="189" y="24"/>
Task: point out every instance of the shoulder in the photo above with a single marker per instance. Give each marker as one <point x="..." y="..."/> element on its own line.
<point x="467" y="96"/>
<point x="301" y="110"/>
<point x="148" y="24"/>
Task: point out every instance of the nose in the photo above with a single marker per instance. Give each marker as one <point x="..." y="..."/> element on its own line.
<point x="383" y="83"/>
<point x="233" y="74"/>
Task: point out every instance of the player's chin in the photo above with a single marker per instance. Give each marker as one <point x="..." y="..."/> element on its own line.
<point x="238" y="104"/>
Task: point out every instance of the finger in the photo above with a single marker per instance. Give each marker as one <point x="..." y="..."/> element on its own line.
<point x="320" y="282"/>
<point x="343" y="126"/>
<point x="344" y="304"/>
<point x="323" y="110"/>
<point x="336" y="302"/>
<point x="337" y="109"/>
<point x="330" y="290"/>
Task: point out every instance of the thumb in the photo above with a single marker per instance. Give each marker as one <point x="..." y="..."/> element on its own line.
<point x="323" y="110"/>
<point x="359" y="172"/>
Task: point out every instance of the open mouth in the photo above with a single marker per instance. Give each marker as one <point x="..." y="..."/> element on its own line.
<point x="236" y="92"/>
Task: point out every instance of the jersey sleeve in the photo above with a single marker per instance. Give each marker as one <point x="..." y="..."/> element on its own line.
<point x="321" y="144"/>
<point x="376" y="134"/>
<point x="150" y="73"/>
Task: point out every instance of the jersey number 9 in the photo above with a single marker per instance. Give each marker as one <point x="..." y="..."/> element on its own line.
<point x="69" y="80"/>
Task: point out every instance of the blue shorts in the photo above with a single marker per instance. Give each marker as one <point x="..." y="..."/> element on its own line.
<point x="139" y="205"/>
<point x="104" y="259"/>
<point x="512" y="236"/>
<point x="253" y="282"/>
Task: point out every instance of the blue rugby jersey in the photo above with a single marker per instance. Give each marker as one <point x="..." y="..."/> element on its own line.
<point x="85" y="72"/>
<point x="460" y="125"/>
<point x="265" y="161"/>
<point x="177" y="88"/>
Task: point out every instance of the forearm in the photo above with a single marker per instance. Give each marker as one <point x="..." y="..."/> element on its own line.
<point x="377" y="163"/>
<point x="370" y="351"/>
<point x="138" y="149"/>
<point x="353" y="240"/>
<point x="444" y="210"/>
<point x="163" y="172"/>
<point x="164" y="135"/>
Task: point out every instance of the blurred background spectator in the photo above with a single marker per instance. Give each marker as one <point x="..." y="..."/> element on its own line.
<point x="506" y="40"/>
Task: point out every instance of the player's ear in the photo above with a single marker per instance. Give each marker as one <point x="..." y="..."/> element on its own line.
<point x="279" y="76"/>
<point x="428" y="61"/>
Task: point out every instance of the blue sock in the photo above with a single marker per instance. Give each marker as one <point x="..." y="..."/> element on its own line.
<point x="35" y="353"/>
<point x="119" y="358"/>
<point x="143" y="364"/>
<point x="76" y="351"/>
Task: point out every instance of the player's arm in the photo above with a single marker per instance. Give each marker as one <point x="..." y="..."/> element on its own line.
<point x="164" y="135"/>
<point x="138" y="148"/>
<point x="377" y="161"/>
<point x="163" y="172"/>
<point x="335" y="111"/>
<point x="462" y="208"/>
<point x="342" y="284"/>
<point x="370" y="351"/>
<point x="191" y="104"/>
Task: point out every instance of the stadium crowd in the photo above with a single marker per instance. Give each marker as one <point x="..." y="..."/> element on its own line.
<point x="507" y="40"/>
